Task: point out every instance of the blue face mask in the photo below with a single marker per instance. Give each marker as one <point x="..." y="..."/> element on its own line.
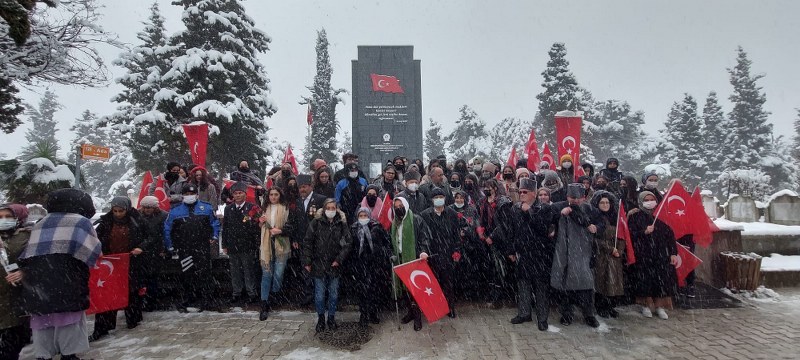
<point x="7" y="224"/>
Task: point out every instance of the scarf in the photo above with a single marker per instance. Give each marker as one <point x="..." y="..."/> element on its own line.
<point x="403" y="242"/>
<point x="364" y="235"/>
<point x="64" y="233"/>
<point x="274" y="246"/>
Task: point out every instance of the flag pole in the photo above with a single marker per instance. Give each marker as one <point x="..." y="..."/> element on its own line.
<point x="669" y="191"/>
<point x="394" y="289"/>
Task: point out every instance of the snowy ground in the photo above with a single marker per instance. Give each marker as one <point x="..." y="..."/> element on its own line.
<point x="767" y="327"/>
<point x="758" y="228"/>
<point x="777" y="262"/>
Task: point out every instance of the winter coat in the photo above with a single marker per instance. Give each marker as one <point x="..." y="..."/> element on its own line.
<point x="208" y="194"/>
<point x="369" y="264"/>
<point x="652" y="273"/>
<point x="326" y="241"/>
<point x="495" y="216"/>
<point x="394" y="188"/>
<point x="191" y="228"/>
<point x="528" y="241"/>
<point x="608" y="270"/>
<point x="444" y="235"/>
<point x="567" y="176"/>
<point x="343" y="174"/>
<point x="427" y="190"/>
<point x="416" y="201"/>
<point x="574" y="248"/>
<point x="241" y="233"/>
<point x="173" y="191"/>
<point x="328" y="190"/>
<point x="10" y="295"/>
<point x="349" y="193"/>
<point x="138" y="237"/>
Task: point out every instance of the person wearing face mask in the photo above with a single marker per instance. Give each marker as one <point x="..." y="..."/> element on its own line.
<point x="460" y="167"/>
<point x="609" y="256"/>
<point x="344" y="173"/>
<point x="173" y="183"/>
<point x="399" y="164"/>
<point x="350" y="191"/>
<point x="588" y="169"/>
<point x="280" y="178"/>
<point x="409" y="238"/>
<point x="368" y="260"/>
<point x="612" y="171"/>
<point x="455" y="182"/>
<point x="650" y="183"/>
<point x="653" y="274"/>
<point x="189" y="229"/>
<point x="567" y="170"/>
<point x="326" y="246"/>
<point x="438" y="180"/>
<point x="466" y="278"/>
<point x="444" y="242"/>
<point x="628" y="193"/>
<point x="14" y="330"/>
<point x="587" y="185"/>
<point x="600" y="183"/>
<point x="509" y="183"/>
<point x="571" y="274"/>
<point x="476" y="166"/>
<point x="245" y="175"/>
<point x="388" y="182"/>
<point x="494" y="209"/>
<point x="122" y="231"/>
<point x="372" y="201"/>
<point x="552" y="182"/>
<point x="473" y="191"/>
<point x="417" y="201"/>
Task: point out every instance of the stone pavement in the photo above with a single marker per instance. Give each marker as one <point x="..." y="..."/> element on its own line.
<point x="761" y="330"/>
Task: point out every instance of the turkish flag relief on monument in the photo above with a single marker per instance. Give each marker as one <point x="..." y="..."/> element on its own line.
<point x="108" y="283"/>
<point x="385" y="83"/>
<point x="568" y="134"/>
<point x="197" y="137"/>
<point x="424" y="288"/>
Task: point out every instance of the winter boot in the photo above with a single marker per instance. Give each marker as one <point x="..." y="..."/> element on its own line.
<point x="542" y="325"/>
<point x="363" y="319"/>
<point x="373" y="318"/>
<point x="592" y="321"/>
<point x="409" y="316"/>
<point x="332" y="323"/>
<point x="264" y="314"/>
<point x="417" y="319"/>
<point x="320" y="323"/>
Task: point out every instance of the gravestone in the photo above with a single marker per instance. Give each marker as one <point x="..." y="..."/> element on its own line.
<point x="784" y="210"/>
<point x="741" y="209"/>
<point x="710" y="206"/>
<point x="387" y="106"/>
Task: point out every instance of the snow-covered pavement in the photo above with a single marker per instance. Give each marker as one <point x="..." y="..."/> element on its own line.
<point x="762" y="329"/>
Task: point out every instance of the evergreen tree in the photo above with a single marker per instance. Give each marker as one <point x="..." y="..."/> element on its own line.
<point x="750" y="136"/>
<point x="216" y="77"/>
<point x="98" y="177"/>
<point x="613" y="129"/>
<point x="507" y="133"/>
<point x="796" y="143"/>
<point x="434" y="143"/>
<point x="561" y="91"/>
<point x="151" y="138"/>
<point x="43" y="130"/>
<point x="10" y="106"/>
<point x="714" y="144"/>
<point x="683" y="133"/>
<point x="322" y="141"/>
<point x="469" y="138"/>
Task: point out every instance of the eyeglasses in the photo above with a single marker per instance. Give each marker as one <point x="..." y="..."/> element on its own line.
<point x="524" y="192"/>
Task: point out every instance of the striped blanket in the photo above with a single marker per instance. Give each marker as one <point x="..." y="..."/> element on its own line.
<point x="64" y="233"/>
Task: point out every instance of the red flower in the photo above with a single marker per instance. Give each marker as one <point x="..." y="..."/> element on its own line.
<point x="460" y="216"/>
<point x="456" y="256"/>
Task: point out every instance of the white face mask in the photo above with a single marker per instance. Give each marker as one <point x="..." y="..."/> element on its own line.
<point x="477" y="168"/>
<point x="363" y="221"/>
<point x="7" y="224"/>
<point x="189" y="199"/>
<point x="330" y="213"/>
<point x="438" y="202"/>
<point x="459" y="205"/>
<point x="413" y="186"/>
<point x="649" y="205"/>
<point x="353" y="174"/>
<point x="651" y="184"/>
<point x="566" y="165"/>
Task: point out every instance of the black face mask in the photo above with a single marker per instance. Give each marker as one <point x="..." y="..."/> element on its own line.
<point x="487" y="193"/>
<point x="486" y="176"/>
<point x="244" y="169"/>
<point x="508" y="176"/>
<point x="399" y="213"/>
<point x="455" y="184"/>
<point x="469" y="186"/>
<point x="171" y="177"/>
<point x="599" y="186"/>
<point x="400" y="168"/>
<point x="293" y="189"/>
<point x="286" y="173"/>
<point x="371" y="199"/>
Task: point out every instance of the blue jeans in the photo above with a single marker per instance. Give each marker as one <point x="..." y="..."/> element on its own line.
<point x="271" y="280"/>
<point x="330" y="283"/>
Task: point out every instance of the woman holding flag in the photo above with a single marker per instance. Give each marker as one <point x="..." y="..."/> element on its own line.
<point x="654" y="277"/>
<point x="609" y="258"/>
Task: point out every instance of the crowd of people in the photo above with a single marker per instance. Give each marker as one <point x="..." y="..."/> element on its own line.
<point x="490" y="232"/>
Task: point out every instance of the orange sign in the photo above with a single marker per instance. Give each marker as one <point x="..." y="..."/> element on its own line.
<point x="94" y="152"/>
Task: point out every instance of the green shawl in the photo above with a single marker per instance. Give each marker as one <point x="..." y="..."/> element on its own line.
<point x="409" y="246"/>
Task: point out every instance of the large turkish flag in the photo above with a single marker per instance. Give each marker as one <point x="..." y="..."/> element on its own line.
<point x="679" y="212"/>
<point x="147" y="180"/>
<point x="568" y="134"/>
<point x="424" y="288"/>
<point x="624" y="233"/>
<point x="686" y="263"/>
<point x="386" y="83"/>
<point x="197" y="137"/>
<point x="386" y="213"/>
<point x="108" y="283"/>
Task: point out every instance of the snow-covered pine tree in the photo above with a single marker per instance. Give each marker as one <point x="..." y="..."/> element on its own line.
<point x="469" y="138"/>
<point x="43" y="130"/>
<point x="216" y="77"/>
<point x="780" y="165"/>
<point x="613" y="129"/>
<point x="29" y="181"/>
<point x="324" y="98"/>
<point x="561" y="91"/>
<point x="10" y="106"/>
<point x="683" y="133"/>
<point x="749" y="134"/>
<point x="345" y="145"/>
<point x="714" y="144"/>
<point x="152" y="140"/>
<point x="796" y="139"/>
<point x="434" y="142"/>
<point x="507" y="133"/>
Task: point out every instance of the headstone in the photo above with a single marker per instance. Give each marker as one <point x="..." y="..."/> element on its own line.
<point x="742" y="209"/>
<point x="710" y="206"/>
<point x="784" y="210"/>
<point x="387" y="106"/>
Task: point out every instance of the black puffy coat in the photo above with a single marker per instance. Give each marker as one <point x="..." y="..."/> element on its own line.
<point x="653" y="274"/>
<point x="326" y="241"/>
<point x="241" y="233"/>
<point x="528" y="239"/>
<point x="138" y="237"/>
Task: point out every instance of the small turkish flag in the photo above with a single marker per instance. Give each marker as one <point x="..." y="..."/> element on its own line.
<point x="548" y="156"/>
<point x="161" y="194"/>
<point x="687" y="262"/>
<point x="624" y="233"/>
<point x="289" y="157"/>
<point x="532" y="151"/>
<point x="703" y="235"/>
<point x="386" y="83"/>
<point x="512" y="158"/>
<point x="424" y="288"/>
<point x="147" y="179"/>
<point x="678" y="211"/>
<point x="309" y="117"/>
<point x="385" y="216"/>
<point x="108" y="283"/>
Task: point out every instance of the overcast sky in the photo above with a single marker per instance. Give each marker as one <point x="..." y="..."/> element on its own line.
<point x="490" y="54"/>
